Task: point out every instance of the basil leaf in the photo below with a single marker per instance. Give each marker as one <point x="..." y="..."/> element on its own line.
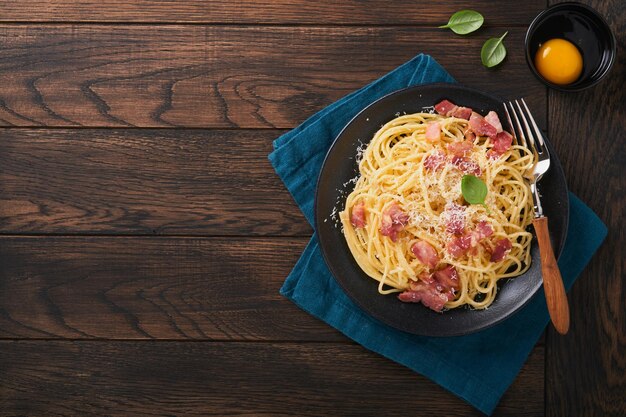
<point x="474" y="189"/>
<point x="464" y="22"/>
<point x="493" y="51"/>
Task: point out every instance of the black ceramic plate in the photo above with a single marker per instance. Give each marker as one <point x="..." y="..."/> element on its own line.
<point x="334" y="184"/>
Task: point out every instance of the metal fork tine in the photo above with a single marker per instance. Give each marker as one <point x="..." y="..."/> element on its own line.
<point x="519" y="132"/>
<point x="537" y="131"/>
<point x="553" y="285"/>
<point x="508" y="118"/>
<point x="529" y="133"/>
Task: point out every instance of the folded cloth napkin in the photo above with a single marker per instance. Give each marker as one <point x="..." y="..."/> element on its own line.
<point x="478" y="367"/>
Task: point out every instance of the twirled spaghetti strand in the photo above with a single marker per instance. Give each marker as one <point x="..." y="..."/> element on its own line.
<point x="392" y="171"/>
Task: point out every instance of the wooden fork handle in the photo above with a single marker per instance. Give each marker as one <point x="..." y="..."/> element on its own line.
<point x="552" y="281"/>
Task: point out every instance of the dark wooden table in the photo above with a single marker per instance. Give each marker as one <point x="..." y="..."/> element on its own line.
<point x="144" y="234"/>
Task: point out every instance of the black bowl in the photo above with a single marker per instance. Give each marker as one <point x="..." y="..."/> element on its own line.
<point x="334" y="184"/>
<point x="585" y="28"/>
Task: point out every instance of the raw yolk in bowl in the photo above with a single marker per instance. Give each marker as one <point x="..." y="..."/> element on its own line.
<point x="559" y="61"/>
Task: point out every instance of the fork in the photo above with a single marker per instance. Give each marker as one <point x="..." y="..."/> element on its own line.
<point x="532" y="138"/>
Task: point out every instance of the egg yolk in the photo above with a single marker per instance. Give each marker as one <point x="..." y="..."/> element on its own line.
<point x="559" y="61"/>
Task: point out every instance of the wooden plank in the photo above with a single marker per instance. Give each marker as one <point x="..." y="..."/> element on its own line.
<point x="223" y="76"/>
<point x="152" y="288"/>
<point x="586" y="370"/>
<point x="144" y="288"/>
<point x="217" y="379"/>
<point x="612" y="10"/>
<point x="268" y="11"/>
<point x="136" y="181"/>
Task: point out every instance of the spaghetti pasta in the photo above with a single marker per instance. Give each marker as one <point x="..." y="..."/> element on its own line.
<point x="408" y="226"/>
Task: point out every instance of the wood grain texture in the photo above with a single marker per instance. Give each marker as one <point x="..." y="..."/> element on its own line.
<point x="233" y="347"/>
<point x="556" y="299"/>
<point x="217" y="379"/>
<point x="136" y="181"/>
<point x="352" y="12"/>
<point x="614" y="11"/>
<point x="152" y="288"/>
<point x="145" y="288"/>
<point x="223" y="76"/>
<point x="586" y="370"/>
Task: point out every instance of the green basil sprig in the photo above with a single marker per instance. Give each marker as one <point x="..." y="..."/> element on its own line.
<point x="493" y="51"/>
<point x="464" y="22"/>
<point x="474" y="189"/>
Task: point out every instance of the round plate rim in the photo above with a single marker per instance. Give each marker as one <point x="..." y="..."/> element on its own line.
<point x="445" y="332"/>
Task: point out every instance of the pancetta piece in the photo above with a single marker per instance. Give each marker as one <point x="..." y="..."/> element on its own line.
<point x="462" y="113"/>
<point x="433" y="290"/>
<point x="445" y="107"/>
<point x="357" y="216"/>
<point x="435" y="161"/>
<point x="501" y="143"/>
<point x="459" y="245"/>
<point x="454" y="218"/>
<point x="433" y="131"/>
<point x="425" y="253"/>
<point x="502" y="248"/>
<point x="425" y="291"/>
<point x="482" y="127"/>
<point x="394" y="220"/>
<point x="483" y="230"/>
<point x="448" y="278"/>
<point x="468" y="242"/>
<point x="460" y="148"/>
<point x="493" y="119"/>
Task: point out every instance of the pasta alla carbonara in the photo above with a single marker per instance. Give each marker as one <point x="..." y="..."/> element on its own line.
<point x="408" y="222"/>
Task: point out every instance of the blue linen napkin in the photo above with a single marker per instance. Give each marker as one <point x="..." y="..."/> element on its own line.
<point x="478" y="367"/>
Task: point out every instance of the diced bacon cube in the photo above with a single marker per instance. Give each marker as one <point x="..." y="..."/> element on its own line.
<point x="458" y="246"/>
<point x="468" y="242"/>
<point x="425" y="253"/>
<point x="501" y="143"/>
<point x="481" y="127"/>
<point x="357" y="217"/>
<point x="424" y="277"/>
<point x="428" y="296"/>
<point x="460" y="148"/>
<point x="434" y="161"/>
<point x="454" y="218"/>
<point x="393" y="221"/>
<point x="433" y="131"/>
<point x="448" y="278"/>
<point x="502" y="248"/>
<point x="493" y="119"/>
<point x="462" y="113"/>
<point x="433" y="290"/>
<point x="427" y="292"/>
<point x="483" y="230"/>
<point x="445" y="107"/>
